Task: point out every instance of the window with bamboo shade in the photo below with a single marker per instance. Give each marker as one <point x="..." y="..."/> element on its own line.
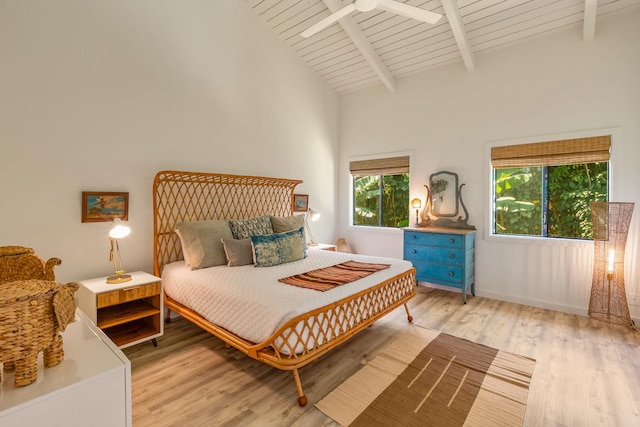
<point x="381" y="191"/>
<point x="545" y="189"/>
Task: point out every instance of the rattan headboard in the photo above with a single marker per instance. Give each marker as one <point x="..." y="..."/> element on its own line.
<point x="197" y="196"/>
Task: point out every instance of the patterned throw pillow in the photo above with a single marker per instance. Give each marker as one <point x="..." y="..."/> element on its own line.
<point x="276" y="249"/>
<point x="243" y="228"/>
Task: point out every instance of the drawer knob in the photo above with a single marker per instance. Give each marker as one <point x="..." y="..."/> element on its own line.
<point x="452" y="240"/>
<point x="414" y="237"/>
<point x="413" y="251"/>
<point x="452" y="255"/>
<point x="451" y="274"/>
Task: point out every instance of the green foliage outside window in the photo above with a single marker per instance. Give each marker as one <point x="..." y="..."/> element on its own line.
<point x="572" y="188"/>
<point x="518" y="204"/>
<point x="523" y="199"/>
<point x="381" y="200"/>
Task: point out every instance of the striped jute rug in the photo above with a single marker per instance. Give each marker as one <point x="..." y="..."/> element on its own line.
<point x="428" y="378"/>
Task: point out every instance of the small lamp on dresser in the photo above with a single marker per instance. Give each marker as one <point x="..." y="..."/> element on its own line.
<point x="416" y="204"/>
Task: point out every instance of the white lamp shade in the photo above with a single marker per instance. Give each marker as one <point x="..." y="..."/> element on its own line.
<point x="119" y="229"/>
<point x="314" y="215"/>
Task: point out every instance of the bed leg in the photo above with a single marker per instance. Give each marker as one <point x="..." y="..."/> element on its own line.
<point x="302" y="399"/>
<point x="167" y="318"/>
<point x="409" y="316"/>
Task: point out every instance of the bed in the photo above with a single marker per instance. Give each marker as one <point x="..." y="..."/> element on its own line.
<point x="306" y="331"/>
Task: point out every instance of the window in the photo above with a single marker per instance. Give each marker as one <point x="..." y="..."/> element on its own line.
<point x="381" y="192"/>
<point x="545" y="189"/>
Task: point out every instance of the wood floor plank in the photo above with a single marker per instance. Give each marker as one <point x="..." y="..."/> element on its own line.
<point x="587" y="372"/>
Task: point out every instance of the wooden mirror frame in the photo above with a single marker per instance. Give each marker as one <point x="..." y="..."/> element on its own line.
<point x="444" y="198"/>
<point x="443" y="191"/>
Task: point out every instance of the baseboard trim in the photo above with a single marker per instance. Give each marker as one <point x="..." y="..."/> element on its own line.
<point x="524" y="301"/>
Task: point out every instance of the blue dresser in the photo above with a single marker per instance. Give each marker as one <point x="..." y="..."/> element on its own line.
<point x="444" y="256"/>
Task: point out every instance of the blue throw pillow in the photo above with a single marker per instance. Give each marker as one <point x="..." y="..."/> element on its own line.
<point x="276" y="249"/>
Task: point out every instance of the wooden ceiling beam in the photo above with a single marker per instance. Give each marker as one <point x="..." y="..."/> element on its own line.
<point x="590" y="13"/>
<point x="360" y="40"/>
<point x="452" y="11"/>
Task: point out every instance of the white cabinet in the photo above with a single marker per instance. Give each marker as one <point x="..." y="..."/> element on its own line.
<point x="90" y="387"/>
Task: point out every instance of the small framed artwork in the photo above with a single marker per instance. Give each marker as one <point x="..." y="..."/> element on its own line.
<point x="300" y="202"/>
<point x="101" y="206"/>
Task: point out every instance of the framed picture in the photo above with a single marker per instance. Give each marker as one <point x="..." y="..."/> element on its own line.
<point x="300" y="202"/>
<point x="101" y="206"/>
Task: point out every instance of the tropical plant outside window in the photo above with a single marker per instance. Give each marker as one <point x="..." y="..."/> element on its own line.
<point x="381" y="191"/>
<point x="549" y="201"/>
<point x="381" y="200"/>
<point x="546" y="188"/>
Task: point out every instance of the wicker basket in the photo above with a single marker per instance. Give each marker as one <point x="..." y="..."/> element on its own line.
<point x="20" y="263"/>
<point x="32" y="313"/>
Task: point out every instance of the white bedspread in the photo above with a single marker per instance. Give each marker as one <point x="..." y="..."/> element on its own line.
<point x="250" y="302"/>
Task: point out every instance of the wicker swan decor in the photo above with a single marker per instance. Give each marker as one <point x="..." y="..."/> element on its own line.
<point x="34" y="309"/>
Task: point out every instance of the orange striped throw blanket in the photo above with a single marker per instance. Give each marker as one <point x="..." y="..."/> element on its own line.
<point x="324" y="279"/>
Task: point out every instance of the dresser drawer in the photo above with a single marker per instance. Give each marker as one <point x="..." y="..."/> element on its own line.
<point x="438" y="273"/>
<point x="435" y="239"/>
<point x="426" y="253"/>
<point x="107" y="299"/>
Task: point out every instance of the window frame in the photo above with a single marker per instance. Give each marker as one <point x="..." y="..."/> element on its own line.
<point x="489" y="199"/>
<point x="381" y="200"/>
<point x="351" y="195"/>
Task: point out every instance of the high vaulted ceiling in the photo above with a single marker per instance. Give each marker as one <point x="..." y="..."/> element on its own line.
<point x="368" y="48"/>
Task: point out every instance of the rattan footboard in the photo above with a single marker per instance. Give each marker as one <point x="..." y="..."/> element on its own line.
<point x="180" y="196"/>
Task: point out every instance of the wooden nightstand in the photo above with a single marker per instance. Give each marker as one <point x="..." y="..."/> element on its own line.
<point x="323" y="247"/>
<point x="129" y="313"/>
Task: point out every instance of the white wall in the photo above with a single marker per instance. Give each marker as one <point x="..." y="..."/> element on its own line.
<point x="448" y="116"/>
<point x="100" y="95"/>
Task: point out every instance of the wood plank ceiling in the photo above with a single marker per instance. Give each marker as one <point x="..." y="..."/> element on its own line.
<point x="369" y="48"/>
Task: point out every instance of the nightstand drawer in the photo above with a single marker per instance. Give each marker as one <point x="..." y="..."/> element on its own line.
<point x="426" y="253"/>
<point x="108" y="299"/>
<point x="435" y="239"/>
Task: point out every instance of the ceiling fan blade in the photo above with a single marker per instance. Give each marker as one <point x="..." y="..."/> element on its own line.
<point x="409" y="11"/>
<point x="334" y="17"/>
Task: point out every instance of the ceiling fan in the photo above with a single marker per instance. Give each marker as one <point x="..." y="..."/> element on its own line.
<point x="367" y="5"/>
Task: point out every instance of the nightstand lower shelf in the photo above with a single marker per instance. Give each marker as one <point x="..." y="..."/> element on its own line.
<point x="124" y="313"/>
<point x="130" y="332"/>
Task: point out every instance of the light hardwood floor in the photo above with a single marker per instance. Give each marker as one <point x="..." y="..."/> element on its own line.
<point x="587" y="372"/>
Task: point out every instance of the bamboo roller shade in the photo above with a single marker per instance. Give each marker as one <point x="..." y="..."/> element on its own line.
<point x="552" y="153"/>
<point x="384" y="166"/>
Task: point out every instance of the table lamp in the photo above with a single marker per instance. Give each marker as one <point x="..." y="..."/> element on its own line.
<point x="313" y="216"/>
<point x="416" y="204"/>
<point x="117" y="232"/>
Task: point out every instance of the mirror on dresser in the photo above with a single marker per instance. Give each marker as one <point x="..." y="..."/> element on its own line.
<point x="444" y="203"/>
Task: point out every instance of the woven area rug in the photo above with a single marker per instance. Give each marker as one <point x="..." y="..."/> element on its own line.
<point x="428" y="378"/>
